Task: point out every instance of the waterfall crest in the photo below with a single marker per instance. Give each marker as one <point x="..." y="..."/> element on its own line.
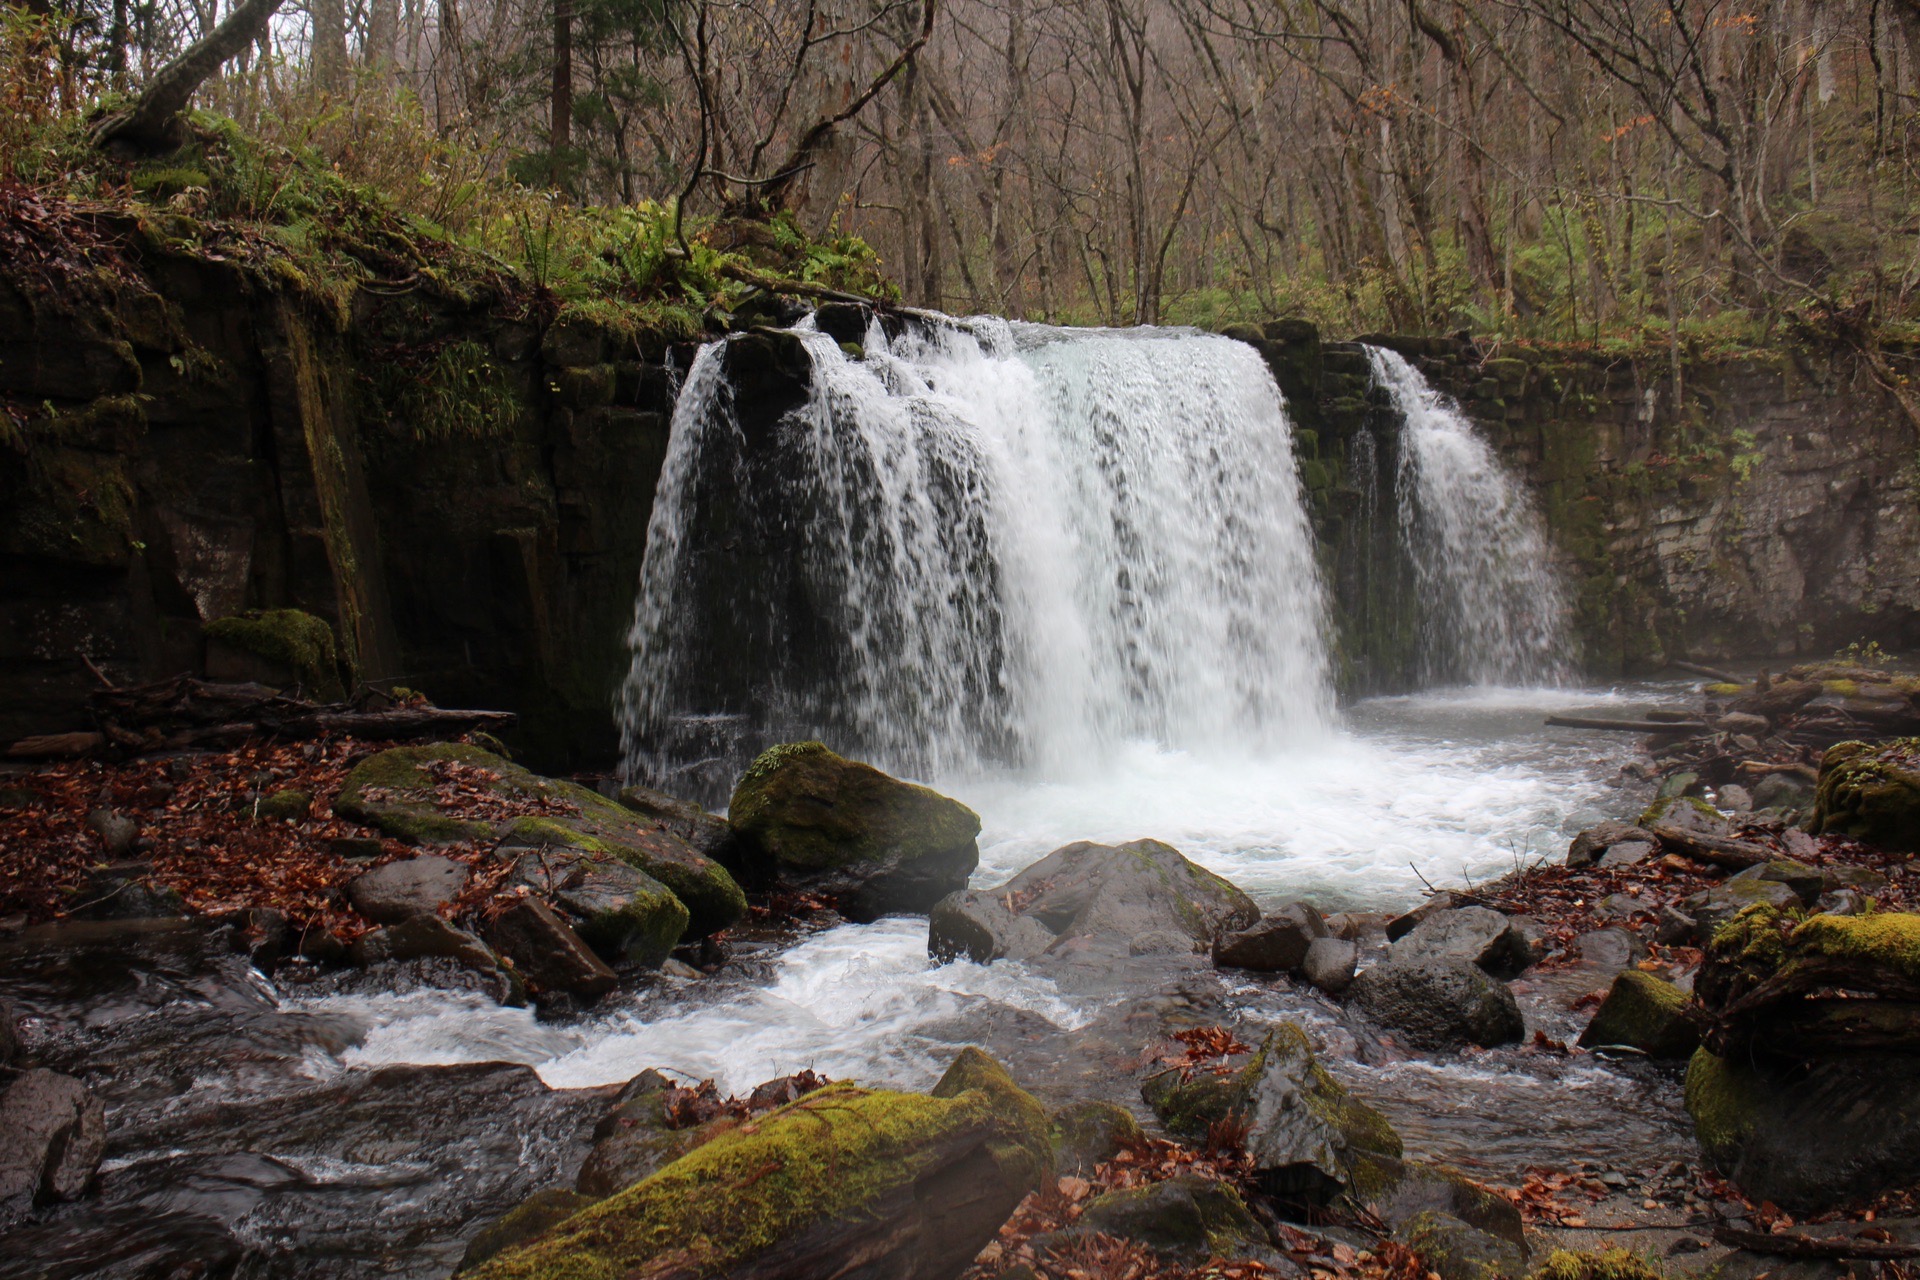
<point x="1492" y="609"/>
<point x="981" y="544"/>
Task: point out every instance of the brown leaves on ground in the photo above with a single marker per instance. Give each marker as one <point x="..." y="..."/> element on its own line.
<point x="463" y="790"/>
<point x="1554" y="1197"/>
<point x="1207" y="1049"/>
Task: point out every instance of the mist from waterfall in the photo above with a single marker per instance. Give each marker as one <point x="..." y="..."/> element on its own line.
<point x="987" y="544"/>
<point x="1492" y="611"/>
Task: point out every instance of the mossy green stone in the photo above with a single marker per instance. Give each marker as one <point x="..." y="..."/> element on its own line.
<point x="289" y="805"/>
<point x="807" y="807"/>
<point x="300" y="642"/>
<point x="1607" y="1264"/>
<point x="538" y="1212"/>
<point x="1642" y="1012"/>
<point x="1871" y="791"/>
<point x="1723" y="1104"/>
<point x="820" y="1164"/>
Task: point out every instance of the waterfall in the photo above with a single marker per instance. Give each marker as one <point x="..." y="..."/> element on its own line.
<point x="980" y="544"/>
<point x="1491" y="608"/>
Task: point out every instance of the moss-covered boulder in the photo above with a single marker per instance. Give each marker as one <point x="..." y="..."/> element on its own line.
<point x="1645" y="1013"/>
<point x="535" y="1214"/>
<point x="1186" y="1218"/>
<point x="813" y="819"/>
<point x="444" y="792"/>
<point x="1809" y="1136"/>
<point x="1304" y="1130"/>
<point x="1087" y="1133"/>
<point x="281" y="647"/>
<point x="1605" y="1264"/>
<point x="619" y="911"/>
<point x="1871" y="791"/>
<point x="913" y="1184"/>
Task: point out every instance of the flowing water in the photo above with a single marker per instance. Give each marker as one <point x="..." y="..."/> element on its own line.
<point x="1492" y="611"/>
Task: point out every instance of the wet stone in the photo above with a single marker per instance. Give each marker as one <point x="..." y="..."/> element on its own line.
<point x="392" y="893"/>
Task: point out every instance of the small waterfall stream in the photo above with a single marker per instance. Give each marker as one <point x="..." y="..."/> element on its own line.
<point x="1492" y="610"/>
<point x="981" y="544"/>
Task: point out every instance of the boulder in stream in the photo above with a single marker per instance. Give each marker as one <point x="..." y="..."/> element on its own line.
<point x="446" y="792"/>
<point x="1330" y="964"/>
<point x="1477" y="934"/>
<point x="546" y="952"/>
<point x="913" y="1184"/>
<point x="1304" y="1130"/>
<point x="1092" y="901"/>
<point x="1276" y="943"/>
<point x="53" y="1132"/>
<point x="1592" y="844"/>
<point x="620" y="911"/>
<point x="1440" y="1003"/>
<point x="1645" y="1013"/>
<point x="814" y="820"/>
<point x="389" y="894"/>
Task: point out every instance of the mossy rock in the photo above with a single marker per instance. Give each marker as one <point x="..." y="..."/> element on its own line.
<point x="1087" y="1133"/>
<point x="815" y="819"/>
<point x="1605" y="1264"/>
<point x="1456" y="1250"/>
<point x="1187" y="1218"/>
<point x="915" y="1183"/>
<point x="1871" y="792"/>
<point x="297" y="642"/>
<point x="289" y="805"/>
<point x="1877" y="953"/>
<point x="1305" y="1130"/>
<point x="1642" y="1012"/>
<point x="396" y="791"/>
<point x="620" y="911"/>
<point x="535" y="1214"/>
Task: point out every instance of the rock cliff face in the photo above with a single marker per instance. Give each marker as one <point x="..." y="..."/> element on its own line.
<point x="1772" y="511"/>
<point x="462" y="492"/>
<point x="460" y="484"/>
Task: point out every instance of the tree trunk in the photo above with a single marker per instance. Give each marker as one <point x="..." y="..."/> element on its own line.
<point x="560" y="132"/>
<point x="151" y="125"/>
<point x="329" y="45"/>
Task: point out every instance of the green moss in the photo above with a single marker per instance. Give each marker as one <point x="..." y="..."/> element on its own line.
<point x="826" y="1158"/>
<point x="288" y="805"/>
<point x="1844" y="688"/>
<point x="1087" y="1133"/>
<point x="455" y="391"/>
<point x="539" y="1212"/>
<point x="1722" y="1102"/>
<point x="1720" y="689"/>
<point x="1658" y="810"/>
<point x="298" y="641"/>
<point x="1885" y="940"/>
<point x="1644" y="1013"/>
<point x="1871" y="791"/>
<point x="1607" y="1264"/>
<point x="807" y="807"/>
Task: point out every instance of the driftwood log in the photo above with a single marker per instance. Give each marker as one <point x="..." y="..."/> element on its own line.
<point x="1791" y="1246"/>
<point x="1626" y="726"/>
<point x="1721" y="851"/>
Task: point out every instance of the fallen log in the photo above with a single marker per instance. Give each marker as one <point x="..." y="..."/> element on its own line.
<point x="1712" y="673"/>
<point x="57" y="746"/>
<point x="1721" y="851"/>
<point x="1626" y="726"/>
<point x="1790" y="1246"/>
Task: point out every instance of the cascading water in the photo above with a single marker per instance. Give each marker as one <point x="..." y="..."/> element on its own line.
<point x="978" y="544"/>
<point x="1492" y="610"/>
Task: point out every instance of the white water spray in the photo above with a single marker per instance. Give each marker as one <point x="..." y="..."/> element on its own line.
<point x="1003" y="544"/>
<point x="1492" y="610"/>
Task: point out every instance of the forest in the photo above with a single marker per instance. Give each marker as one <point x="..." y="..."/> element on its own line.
<point x="1637" y="173"/>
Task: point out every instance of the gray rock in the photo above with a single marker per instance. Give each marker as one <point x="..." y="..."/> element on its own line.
<point x="1742" y="722"/>
<point x="1440" y="1003"/>
<point x="619" y="910"/>
<point x="390" y="894"/>
<point x="422" y="937"/>
<point x="1462" y="1231"/>
<point x="1627" y="853"/>
<point x="1589" y="845"/>
<point x="1087" y="1133"/>
<point x="1276" y="944"/>
<point x="1688" y="813"/>
<point x="976" y="924"/>
<point x="1160" y="942"/>
<point x="1645" y="1013"/>
<point x="116" y="830"/>
<point x="126" y="891"/>
<point x="1864" y="879"/>
<point x="1476" y="934"/>
<point x="708" y="833"/>
<point x="1713" y="907"/>
<point x="634" y="1141"/>
<point x="1611" y="949"/>
<point x="1674" y="926"/>
<point x="1402" y="925"/>
<point x="1094" y="900"/>
<point x="1783" y="791"/>
<point x="1734" y="798"/>
<point x="1329" y="964"/>
<point x="1185" y="1218"/>
<point x="1621" y="905"/>
<point x="53" y="1132"/>
<point x="1807" y="882"/>
<point x="546" y="951"/>
<point x="1841" y="902"/>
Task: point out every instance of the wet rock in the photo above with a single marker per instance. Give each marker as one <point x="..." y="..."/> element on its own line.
<point x="913" y="1185"/>
<point x="1809" y="1136"/>
<point x="1623" y="905"/>
<point x="1642" y="1012"/>
<point x="1673" y="926"/>
<point x="1610" y="950"/>
<point x="843" y="321"/>
<point x="546" y="951"/>
<point x="1186" y="1218"/>
<point x="1276" y="944"/>
<point x="538" y="1213"/>
<point x="1475" y="934"/>
<point x="1402" y="925"/>
<point x="708" y="833"/>
<point x="1456" y="1250"/>
<point x="1711" y="908"/>
<point x="1807" y="882"/>
<point x="122" y="1244"/>
<point x="422" y="937"/>
<point x="618" y="910"/>
<point x="9" y="1036"/>
<point x="1734" y="798"/>
<point x="1687" y="813"/>
<point x="411" y="793"/>
<point x="770" y="372"/>
<point x="1841" y="902"/>
<point x="1304" y="1129"/>
<point x="634" y="1140"/>
<point x="260" y="934"/>
<point x="392" y="893"/>
<point x="1627" y="853"/>
<point x="53" y="1132"/>
<point x="1742" y="722"/>
<point x="813" y="819"/>
<point x="126" y="891"/>
<point x="1440" y="1003"/>
<point x="1589" y="845"/>
<point x="289" y="805"/>
<point x="116" y="830"/>
<point x="1160" y="942"/>
<point x="1093" y="900"/>
<point x="1871" y="791"/>
<point x="976" y="924"/>
<point x="1861" y="879"/>
<point x="1783" y="791"/>
<point x="1329" y="964"/>
<point x="1087" y="1133"/>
